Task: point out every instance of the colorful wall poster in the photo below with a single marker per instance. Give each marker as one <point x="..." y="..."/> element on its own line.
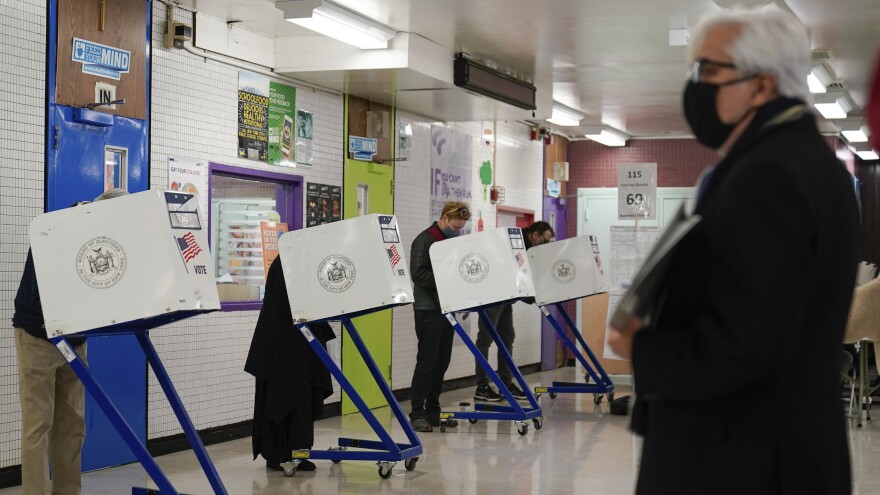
<point x="451" y="169"/>
<point x="323" y="204"/>
<point x="253" y="116"/>
<point x="270" y="232"/>
<point x="305" y="127"/>
<point x="282" y="111"/>
<point x="186" y="175"/>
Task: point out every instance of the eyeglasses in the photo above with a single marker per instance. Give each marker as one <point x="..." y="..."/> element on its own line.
<point x="695" y="74"/>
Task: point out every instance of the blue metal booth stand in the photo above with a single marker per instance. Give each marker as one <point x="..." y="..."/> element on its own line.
<point x="339" y="271"/>
<point x="123" y="267"/>
<point x="475" y="272"/>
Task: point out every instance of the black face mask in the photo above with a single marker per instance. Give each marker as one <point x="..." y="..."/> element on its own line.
<point x="701" y="113"/>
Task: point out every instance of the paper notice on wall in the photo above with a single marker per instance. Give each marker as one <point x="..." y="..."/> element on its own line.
<point x="629" y="248"/>
<point x="189" y="176"/>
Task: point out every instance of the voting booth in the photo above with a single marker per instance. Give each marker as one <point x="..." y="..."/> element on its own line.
<point x="345" y="268"/>
<point x="481" y="269"/>
<point x="124" y="266"/>
<point x="101" y="260"/>
<point x="338" y="271"/>
<point x="474" y="272"/>
<point x="563" y="271"/>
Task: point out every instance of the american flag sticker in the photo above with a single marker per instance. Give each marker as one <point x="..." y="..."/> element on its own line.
<point x="520" y="259"/>
<point x="188" y="246"/>
<point x="393" y="255"/>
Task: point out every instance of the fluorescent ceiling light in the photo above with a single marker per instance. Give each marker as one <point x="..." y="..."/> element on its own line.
<point x="864" y="151"/>
<point x="607" y="136"/>
<point x="819" y="78"/>
<point x="815" y="84"/>
<point x="857" y="136"/>
<point x="832" y="105"/>
<point x="347" y="27"/>
<point x="565" y="117"/>
<point x="854" y="131"/>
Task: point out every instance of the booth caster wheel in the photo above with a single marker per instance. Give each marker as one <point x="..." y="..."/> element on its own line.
<point x="410" y="463"/>
<point x="522" y="428"/>
<point x="553" y="395"/>
<point x="611" y="397"/>
<point x="341" y="449"/>
<point x="538" y="396"/>
<point x="472" y="421"/>
<point x="538" y="422"/>
<point x="289" y="468"/>
<point x="385" y="468"/>
<point x="443" y="426"/>
<point x="597" y="398"/>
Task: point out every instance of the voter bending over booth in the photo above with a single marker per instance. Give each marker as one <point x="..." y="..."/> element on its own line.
<point x="433" y="331"/>
<point x="291" y="381"/>
<point x="51" y="397"/>
<point x="473" y="273"/>
<point x="335" y="271"/>
<point x="94" y="264"/>
<point x="501" y="317"/>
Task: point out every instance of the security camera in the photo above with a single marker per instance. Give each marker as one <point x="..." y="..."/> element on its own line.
<point x="176" y="34"/>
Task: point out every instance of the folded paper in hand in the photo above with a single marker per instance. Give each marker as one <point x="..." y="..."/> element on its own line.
<point x="644" y="291"/>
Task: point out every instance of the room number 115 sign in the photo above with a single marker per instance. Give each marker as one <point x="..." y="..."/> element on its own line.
<point x="637" y="191"/>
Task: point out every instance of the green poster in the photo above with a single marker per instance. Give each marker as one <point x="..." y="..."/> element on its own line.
<point x="282" y="124"/>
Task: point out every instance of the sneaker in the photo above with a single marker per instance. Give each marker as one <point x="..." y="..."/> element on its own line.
<point x="487" y="393"/>
<point x="516" y="392"/>
<point x="435" y="421"/>
<point x="422" y="425"/>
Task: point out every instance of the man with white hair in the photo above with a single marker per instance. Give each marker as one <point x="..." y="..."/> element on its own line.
<point x="736" y="366"/>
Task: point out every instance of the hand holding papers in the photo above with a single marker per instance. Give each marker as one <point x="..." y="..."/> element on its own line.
<point x="642" y="295"/>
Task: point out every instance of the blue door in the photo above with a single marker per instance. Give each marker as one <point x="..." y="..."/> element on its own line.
<point x="88" y="153"/>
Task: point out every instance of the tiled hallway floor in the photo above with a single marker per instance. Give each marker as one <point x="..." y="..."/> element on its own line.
<point x="580" y="449"/>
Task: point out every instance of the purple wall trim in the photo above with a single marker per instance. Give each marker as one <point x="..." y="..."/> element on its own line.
<point x="290" y="210"/>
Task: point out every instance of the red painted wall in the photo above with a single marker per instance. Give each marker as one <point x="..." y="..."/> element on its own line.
<point x="679" y="163"/>
<point x="590" y="164"/>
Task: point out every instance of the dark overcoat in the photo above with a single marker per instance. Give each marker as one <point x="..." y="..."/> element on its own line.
<point x="737" y="378"/>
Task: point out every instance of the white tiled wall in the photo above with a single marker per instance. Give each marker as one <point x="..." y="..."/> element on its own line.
<point x="519" y="167"/>
<point x="22" y="114"/>
<point x="194" y="105"/>
<point x="194" y="115"/>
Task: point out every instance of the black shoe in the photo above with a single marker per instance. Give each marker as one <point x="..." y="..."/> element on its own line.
<point x="273" y="465"/>
<point x="435" y="421"/>
<point x="516" y="392"/>
<point x="306" y="465"/>
<point x="421" y="425"/>
<point x="487" y="393"/>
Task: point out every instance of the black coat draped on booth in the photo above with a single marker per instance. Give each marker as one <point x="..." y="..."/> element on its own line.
<point x="292" y="382"/>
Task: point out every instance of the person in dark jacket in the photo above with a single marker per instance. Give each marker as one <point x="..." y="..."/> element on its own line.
<point x="432" y="328"/>
<point x="501" y="316"/>
<point x="291" y="380"/>
<point x="736" y="375"/>
<point x="52" y="397"/>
